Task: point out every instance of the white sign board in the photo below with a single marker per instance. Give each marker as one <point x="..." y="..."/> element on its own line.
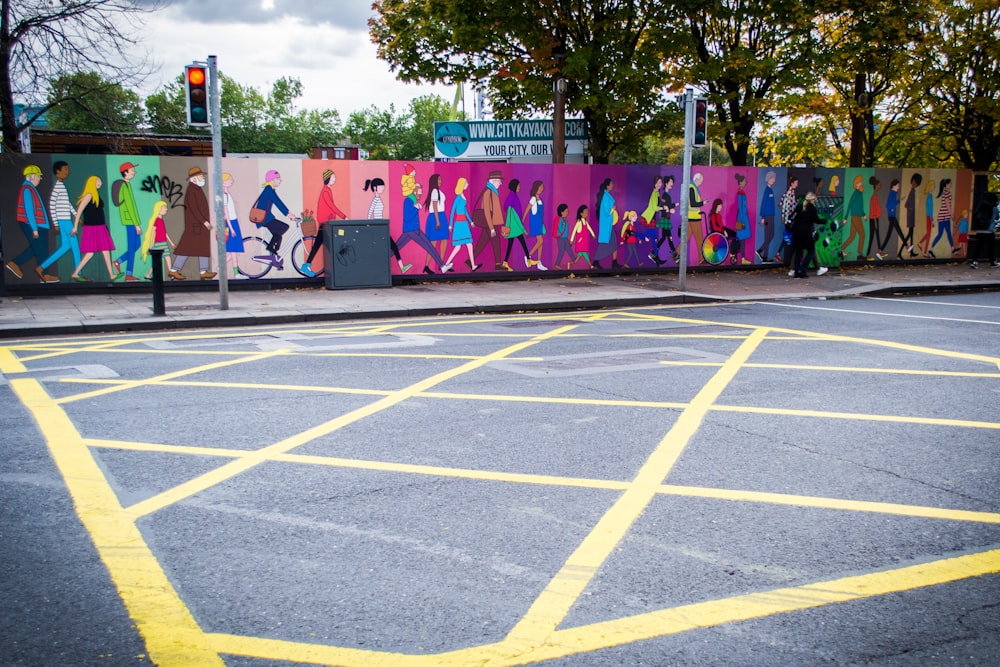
<point x="504" y="139"/>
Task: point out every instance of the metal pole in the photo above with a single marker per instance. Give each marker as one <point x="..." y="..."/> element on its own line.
<point x="559" y="120"/>
<point x="220" y="210"/>
<point x="559" y="105"/>
<point x="688" y="101"/>
<point x="159" y="304"/>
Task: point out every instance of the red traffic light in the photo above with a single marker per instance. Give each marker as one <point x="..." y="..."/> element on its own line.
<point x="196" y="76"/>
<point x="196" y="95"/>
<point x="700" y="122"/>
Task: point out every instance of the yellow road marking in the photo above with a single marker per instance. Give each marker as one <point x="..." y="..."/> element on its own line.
<point x="538" y="633"/>
<point x="894" y="419"/>
<point x="233" y="468"/>
<point x="564" y="589"/>
<point x="758" y="605"/>
<point x="171" y="633"/>
<point x="735" y="495"/>
<point x="132" y="384"/>
<point x="843" y="504"/>
<point x="9" y="363"/>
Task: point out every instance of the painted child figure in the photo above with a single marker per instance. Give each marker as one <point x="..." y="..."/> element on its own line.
<point x="156" y="237"/>
<point x="962" y="235"/>
<point x="561" y="230"/>
<point x="581" y="236"/>
<point x="629" y="239"/>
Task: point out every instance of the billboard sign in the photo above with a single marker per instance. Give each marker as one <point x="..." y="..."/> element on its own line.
<point x="509" y="140"/>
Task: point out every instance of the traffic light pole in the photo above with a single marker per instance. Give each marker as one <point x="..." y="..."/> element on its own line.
<point x="687" y="99"/>
<point x="215" y="113"/>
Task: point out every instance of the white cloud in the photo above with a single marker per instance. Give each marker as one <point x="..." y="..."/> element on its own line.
<point x="328" y="50"/>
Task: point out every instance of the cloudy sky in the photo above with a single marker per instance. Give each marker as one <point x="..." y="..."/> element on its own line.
<point x="325" y="44"/>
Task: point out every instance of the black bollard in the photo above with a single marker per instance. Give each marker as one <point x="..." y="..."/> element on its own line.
<point x="159" y="307"/>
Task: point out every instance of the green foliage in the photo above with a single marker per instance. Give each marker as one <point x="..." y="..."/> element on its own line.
<point x="608" y="52"/>
<point x="406" y="136"/>
<point x="251" y="122"/>
<point x="46" y="41"/>
<point x="165" y="109"/>
<point x="960" y="79"/>
<point x="866" y="48"/>
<point x="747" y="56"/>
<point x="87" y="102"/>
<point x="799" y="143"/>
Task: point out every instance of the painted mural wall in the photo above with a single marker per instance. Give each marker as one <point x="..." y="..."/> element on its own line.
<point x="94" y="219"/>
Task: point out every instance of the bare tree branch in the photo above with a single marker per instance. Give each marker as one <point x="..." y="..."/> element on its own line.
<point x="41" y="40"/>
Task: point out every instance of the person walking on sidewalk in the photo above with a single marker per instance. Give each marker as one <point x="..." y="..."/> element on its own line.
<point x="985" y="222"/>
<point x="803" y="241"/>
<point x="789" y="201"/>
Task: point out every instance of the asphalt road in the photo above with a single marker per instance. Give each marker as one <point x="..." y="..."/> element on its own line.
<point x="786" y="483"/>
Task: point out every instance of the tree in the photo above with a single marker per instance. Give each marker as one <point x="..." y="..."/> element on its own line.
<point x="865" y="50"/>
<point x="406" y="136"/>
<point x="795" y="143"/>
<point x="608" y="52"/>
<point x="251" y="122"/>
<point x="40" y="40"/>
<point x="747" y="56"/>
<point x="165" y="108"/>
<point x="90" y="103"/>
<point x="959" y="75"/>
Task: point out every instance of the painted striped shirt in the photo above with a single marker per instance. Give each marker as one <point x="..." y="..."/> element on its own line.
<point x="59" y="207"/>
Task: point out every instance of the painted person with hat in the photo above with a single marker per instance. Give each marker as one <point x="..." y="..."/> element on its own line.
<point x="196" y="241"/>
<point x="488" y="216"/>
<point x="122" y="197"/>
<point x="326" y="211"/>
<point x="34" y="222"/>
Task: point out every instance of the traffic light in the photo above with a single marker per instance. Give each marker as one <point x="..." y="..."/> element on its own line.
<point x="196" y="87"/>
<point x="700" y="122"/>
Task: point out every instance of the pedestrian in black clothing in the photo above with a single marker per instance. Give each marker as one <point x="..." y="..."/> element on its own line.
<point x="984" y="223"/>
<point x="803" y="240"/>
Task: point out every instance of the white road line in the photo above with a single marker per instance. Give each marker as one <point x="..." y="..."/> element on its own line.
<point x="877" y="314"/>
<point x="932" y="303"/>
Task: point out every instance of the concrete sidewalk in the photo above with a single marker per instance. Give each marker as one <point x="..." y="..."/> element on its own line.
<point x="132" y="310"/>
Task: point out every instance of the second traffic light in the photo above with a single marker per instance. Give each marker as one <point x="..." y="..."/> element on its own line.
<point x="196" y="88"/>
<point x="700" y="122"/>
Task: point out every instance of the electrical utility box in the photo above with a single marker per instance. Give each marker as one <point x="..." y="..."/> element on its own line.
<point x="357" y="253"/>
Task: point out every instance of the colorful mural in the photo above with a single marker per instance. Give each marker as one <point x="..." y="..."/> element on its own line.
<point x="95" y="219"/>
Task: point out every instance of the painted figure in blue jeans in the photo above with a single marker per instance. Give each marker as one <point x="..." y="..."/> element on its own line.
<point x="61" y="212"/>
<point x="121" y="192"/>
<point x="34" y="222"/>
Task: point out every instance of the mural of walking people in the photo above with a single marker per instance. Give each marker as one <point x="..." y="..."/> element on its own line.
<point x="196" y="241"/>
<point x="94" y="236"/>
<point x="34" y="222"/>
<point x="61" y="214"/>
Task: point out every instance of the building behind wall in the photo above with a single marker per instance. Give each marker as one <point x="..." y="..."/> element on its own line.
<point x="108" y="143"/>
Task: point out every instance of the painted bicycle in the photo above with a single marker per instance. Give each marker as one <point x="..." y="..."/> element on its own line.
<point x="256" y="260"/>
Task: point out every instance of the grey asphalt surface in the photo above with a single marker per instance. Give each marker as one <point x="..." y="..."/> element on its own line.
<point x="342" y="548"/>
<point x="129" y="309"/>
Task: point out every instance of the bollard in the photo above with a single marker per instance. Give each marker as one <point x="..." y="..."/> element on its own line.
<point x="159" y="308"/>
